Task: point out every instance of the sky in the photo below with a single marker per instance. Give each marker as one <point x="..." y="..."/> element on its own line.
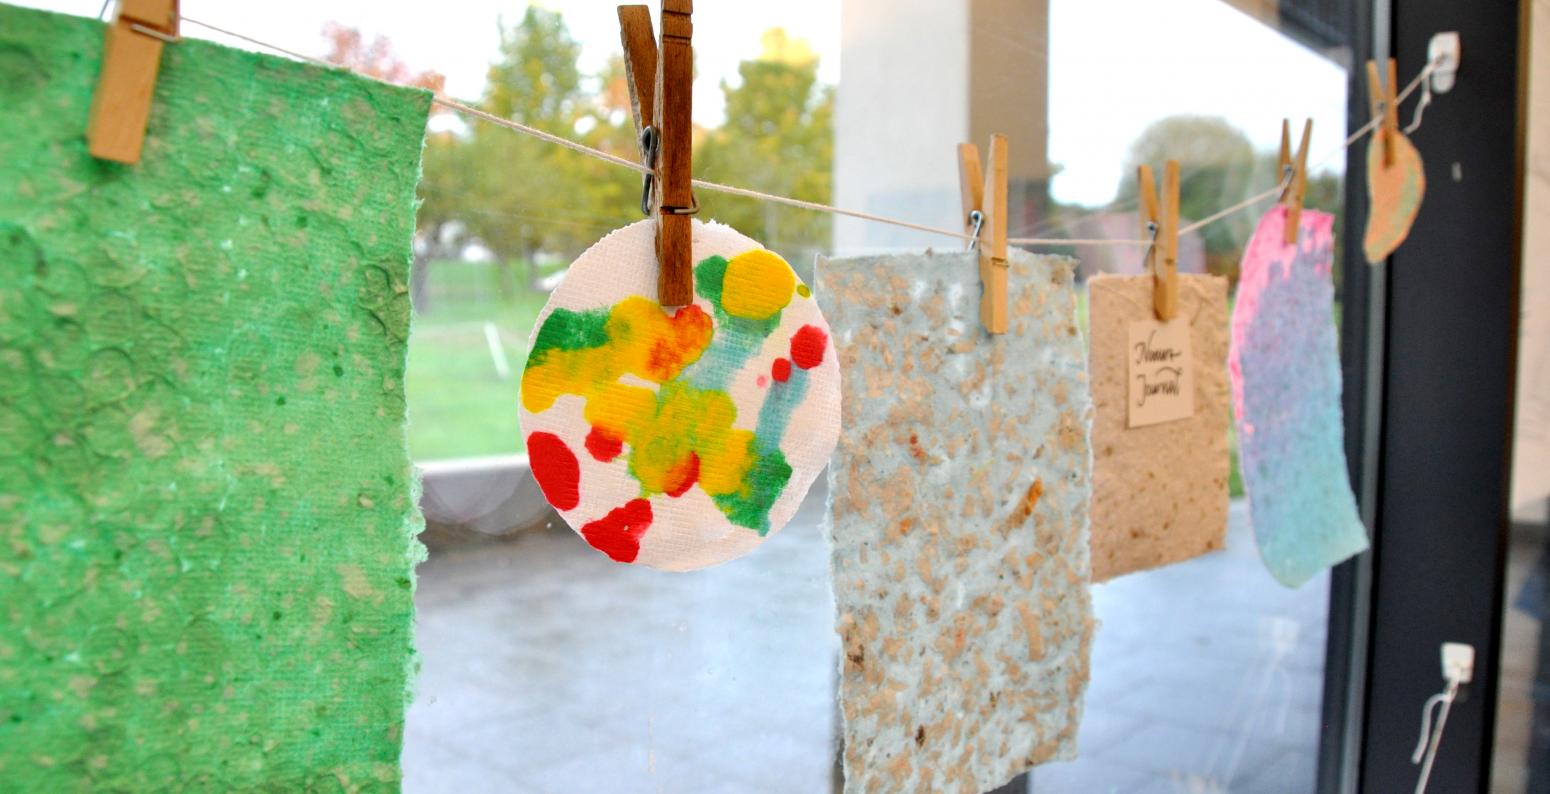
<point x="1116" y="66"/>
<point x="1112" y="72"/>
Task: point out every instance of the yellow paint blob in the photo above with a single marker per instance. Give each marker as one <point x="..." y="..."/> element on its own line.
<point x="690" y="420"/>
<point x="757" y="285"/>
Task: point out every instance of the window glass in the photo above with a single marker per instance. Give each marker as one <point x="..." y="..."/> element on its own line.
<point x="546" y="667"/>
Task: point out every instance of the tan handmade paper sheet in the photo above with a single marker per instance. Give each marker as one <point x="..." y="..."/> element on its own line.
<point x="1159" y="492"/>
<point x="959" y="520"/>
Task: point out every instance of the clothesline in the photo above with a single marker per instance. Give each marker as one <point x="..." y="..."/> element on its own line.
<point x="716" y="187"/>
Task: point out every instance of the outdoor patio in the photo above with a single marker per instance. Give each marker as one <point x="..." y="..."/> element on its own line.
<point x="547" y="668"/>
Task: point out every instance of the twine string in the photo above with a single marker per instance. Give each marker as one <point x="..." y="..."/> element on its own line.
<point x="731" y="190"/>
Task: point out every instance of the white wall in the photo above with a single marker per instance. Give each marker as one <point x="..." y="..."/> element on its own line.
<point x="901" y="111"/>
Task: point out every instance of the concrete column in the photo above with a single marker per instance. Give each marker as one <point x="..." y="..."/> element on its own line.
<point x="918" y="77"/>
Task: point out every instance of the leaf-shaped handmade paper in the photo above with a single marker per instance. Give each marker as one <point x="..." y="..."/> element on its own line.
<point x="1159" y="491"/>
<point x="1394" y="195"/>
<point x="207" y="504"/>
<point x="679" y="440"/>
<point x="959" y="521"/>
<point x="1286" y="392"/>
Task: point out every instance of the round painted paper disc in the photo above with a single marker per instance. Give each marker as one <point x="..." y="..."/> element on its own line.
<point x="679" y="439"/>
<point x="1394" y="192"/>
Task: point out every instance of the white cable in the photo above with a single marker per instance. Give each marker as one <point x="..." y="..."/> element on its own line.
<point x="1431" y="738"/>
<point x="1425" y="742"/>
<point x="1420" y="107"/>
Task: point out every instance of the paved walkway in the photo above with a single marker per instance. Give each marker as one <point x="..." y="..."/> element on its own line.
<point x="546" y="668"/>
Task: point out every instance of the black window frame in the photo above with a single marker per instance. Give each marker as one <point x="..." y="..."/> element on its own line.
<point x="1429" y="353"/>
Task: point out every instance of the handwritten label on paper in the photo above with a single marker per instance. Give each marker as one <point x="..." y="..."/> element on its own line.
<point x="1162" y="386"/>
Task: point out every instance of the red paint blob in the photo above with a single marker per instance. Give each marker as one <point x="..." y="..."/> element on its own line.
<point x="807" y="346"/>
<point x="603" y="447"/>
<point x="763" y="381"/>
<point x="683" y="476"/>
<point x="781" y="370"/>
<point x="556" y="469"/>
<point x="618" y="534"/>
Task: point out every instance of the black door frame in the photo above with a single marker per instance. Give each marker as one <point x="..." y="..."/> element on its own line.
<point x="1429" y="373"/>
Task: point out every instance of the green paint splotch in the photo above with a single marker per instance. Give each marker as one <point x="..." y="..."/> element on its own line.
<point x="565" y="329"/>
<point x="766" y="479"/>
<point x="207" y="507"/>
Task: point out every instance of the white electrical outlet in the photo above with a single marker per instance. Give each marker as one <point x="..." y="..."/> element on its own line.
<point x="1458" y="661"/>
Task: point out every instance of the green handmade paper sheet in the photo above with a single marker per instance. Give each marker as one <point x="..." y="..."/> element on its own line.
<point x="207" y="508"/>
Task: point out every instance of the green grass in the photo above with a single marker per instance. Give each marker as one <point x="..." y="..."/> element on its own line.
<point x="459" y="406"/>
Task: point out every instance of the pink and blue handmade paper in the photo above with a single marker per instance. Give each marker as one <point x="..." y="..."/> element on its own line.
<point x="1285" y="371"/>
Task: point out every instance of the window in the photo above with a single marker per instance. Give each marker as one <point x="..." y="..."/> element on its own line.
<point x="544" y="666"/>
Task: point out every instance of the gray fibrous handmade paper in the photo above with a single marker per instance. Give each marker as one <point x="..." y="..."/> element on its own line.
<point x="959" y="495"/>
<point x="206" y="504"/>
<point x="1160" y="491"/>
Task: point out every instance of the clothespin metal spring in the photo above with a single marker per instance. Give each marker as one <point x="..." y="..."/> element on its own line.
<point x="649" y="138"/>
<point x="169" y="38"/>
<point x="1151" y="244"/>
<point x="977" y="221"/>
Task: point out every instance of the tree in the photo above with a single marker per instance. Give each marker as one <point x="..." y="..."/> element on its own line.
<point x="536" y="80"/>
<point x="521" y="196"/>
<point x="1217" y="168"/>
<point x="778" y="138"/>
<point x="348" y="47"/>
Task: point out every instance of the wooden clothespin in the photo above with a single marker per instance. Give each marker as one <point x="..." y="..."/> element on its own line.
<point x="985" y="222"/>
<point x="661" y="79"/>
<point x="1296" y="189"/>
<point x="1382" y="100"/>
<point x="1163" y="255"/>
<point x="131" y="56"/>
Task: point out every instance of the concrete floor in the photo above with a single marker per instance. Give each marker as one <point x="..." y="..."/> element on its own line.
<point x="547" y="668"/>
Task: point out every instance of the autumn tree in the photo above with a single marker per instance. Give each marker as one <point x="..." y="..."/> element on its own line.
<point x="523" y="197"/>
<point x="778" y="137"/>
<point x="348" y="47"/>
<point x="1217" y="168"/>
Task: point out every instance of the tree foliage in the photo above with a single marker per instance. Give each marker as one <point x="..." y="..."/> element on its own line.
<point x="348" y="47"/>
<point x="535" y="79"/>
<point x="778" y="138"/>
<point x="1217" y="168"/>
<point x="520" y="196"/>
<point x="537" y="205"/>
